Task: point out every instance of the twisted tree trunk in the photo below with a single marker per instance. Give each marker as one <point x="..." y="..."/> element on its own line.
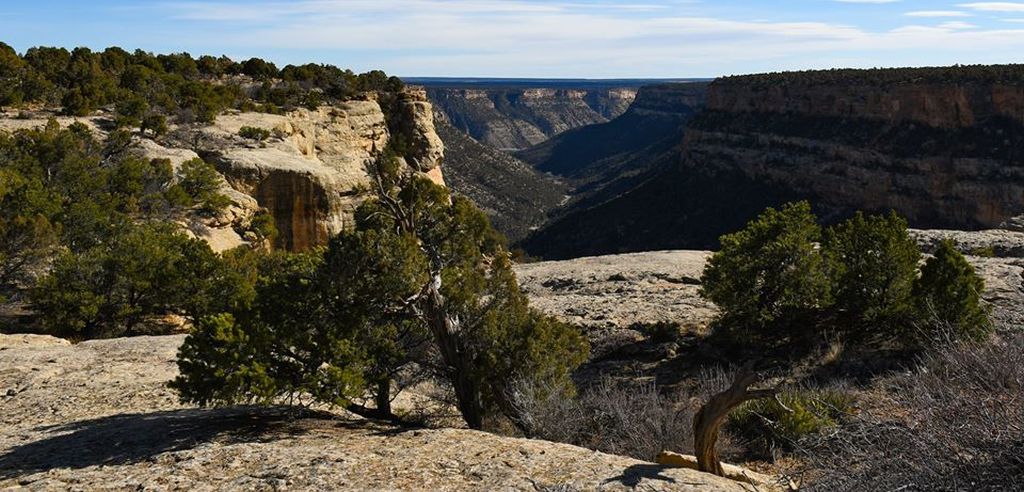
<point x="710" y="417"/>
<point x="447" y="331"/>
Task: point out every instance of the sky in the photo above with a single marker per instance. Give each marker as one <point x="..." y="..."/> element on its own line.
<point x="533" y="38"/>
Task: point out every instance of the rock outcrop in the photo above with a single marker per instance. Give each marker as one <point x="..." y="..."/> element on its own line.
<point x="305" y="174"/>
<point x="941" y="153"/>
<point x="99" y="416"/>
<point x="511" y="118"/>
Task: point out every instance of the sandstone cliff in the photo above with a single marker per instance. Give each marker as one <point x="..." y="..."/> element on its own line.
<point x="941" y="147"/>
<point x="511" y="118"/>
<point x="305" y="174"/>
<point x="942" y="153"/>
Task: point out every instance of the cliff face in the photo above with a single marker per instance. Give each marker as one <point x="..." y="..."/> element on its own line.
<point x="304" y="174"/>
<point x="942" y="147"/>
<point x="517" y="118"/>
<point x="944" y="155"/>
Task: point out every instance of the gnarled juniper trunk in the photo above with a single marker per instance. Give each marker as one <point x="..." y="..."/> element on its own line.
<point x="447" y="331"/>
<point x="711" y="416"/>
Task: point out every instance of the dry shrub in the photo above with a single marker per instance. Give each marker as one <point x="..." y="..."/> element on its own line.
<point x="957" y="424"/>
<point x="627" y="418"/>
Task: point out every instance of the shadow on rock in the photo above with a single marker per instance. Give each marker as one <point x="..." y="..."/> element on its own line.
<point x="632" y="476"/>
<point x="132" y="438"/>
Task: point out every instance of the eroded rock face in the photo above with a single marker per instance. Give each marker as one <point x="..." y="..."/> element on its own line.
<point x="305" y="174"/>
<point x="517" y="118"/>
<point x="99" y="416"/>
<point x="942" y="155"/>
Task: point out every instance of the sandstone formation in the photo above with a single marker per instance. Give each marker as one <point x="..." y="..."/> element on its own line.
<point x="305" y="174"/>
<point x="943" y="154"/>
<point x="512" y="118"/>
<point x="98" y="416"/>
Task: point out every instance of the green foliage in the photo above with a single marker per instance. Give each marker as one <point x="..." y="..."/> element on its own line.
<point x="770" y="280"/>
<point x="279" y="347"/>
<point x="883" y="77"/>
<point x="948" y="296"/>
<point x="421" y="279"/>
<point x="201" y="183"/>
<point x="149" y="270"/>
<point x="263" y="226"/>
<point x="769" y="425"/>
<point x="872" y="264"/>
<point x="254" y="133"/>
<point x="769" y="274"/>
<point x="154" y="124"/>
<point x="168" y="85"/>
<point x="92" y="208"/>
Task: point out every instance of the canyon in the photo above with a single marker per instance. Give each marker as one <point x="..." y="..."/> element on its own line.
<point x="511" y="115"/>
<point x="939" y="146"/>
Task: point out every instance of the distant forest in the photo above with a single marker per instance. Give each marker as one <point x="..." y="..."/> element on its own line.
<point x="141" y="84"/>
<point x="882" y="77"/>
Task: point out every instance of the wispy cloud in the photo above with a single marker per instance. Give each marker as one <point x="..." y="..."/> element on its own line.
<point x="938" y="13"/>
<point x="591" y="38"/>
<point x="994" y="6"/>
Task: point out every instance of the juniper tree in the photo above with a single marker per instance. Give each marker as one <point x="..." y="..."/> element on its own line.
<point x="421" y="279"/>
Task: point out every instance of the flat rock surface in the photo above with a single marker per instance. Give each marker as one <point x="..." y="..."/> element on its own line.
<point x="617" y="291"/>
<point x="98" y="416"/>
<point x="610" y="294"/>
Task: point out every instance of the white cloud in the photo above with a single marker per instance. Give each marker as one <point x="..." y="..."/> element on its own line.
<point x="938" y="13"/>
<point x="522" y="38"/>
<point x="995" y="6"/>
<point x="957" y="25"/>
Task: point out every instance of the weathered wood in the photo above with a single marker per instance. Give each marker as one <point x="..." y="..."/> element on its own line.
<point x="709" y="419"/>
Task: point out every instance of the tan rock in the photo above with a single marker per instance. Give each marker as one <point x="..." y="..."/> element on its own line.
<point x="732" y="472"/>
<point x="99" y="416"/>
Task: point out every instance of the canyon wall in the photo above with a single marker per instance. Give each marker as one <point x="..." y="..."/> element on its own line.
<point x="945" y="154"/>
<point x="308" y="173"/>
<point x="944" y="147"/>
<point x="512" y="118"/>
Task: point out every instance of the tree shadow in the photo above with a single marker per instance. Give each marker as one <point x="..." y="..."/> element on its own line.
<point x="132" y="438"/>
<point x="633" y="475"/>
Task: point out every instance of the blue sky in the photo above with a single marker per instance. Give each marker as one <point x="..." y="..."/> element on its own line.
<point x="531" y="38"/>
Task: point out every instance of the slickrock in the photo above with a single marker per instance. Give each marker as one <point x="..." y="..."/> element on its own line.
<point x="98" y="416"/>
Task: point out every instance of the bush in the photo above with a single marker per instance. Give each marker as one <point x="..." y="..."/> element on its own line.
<point x="954" y="423"/>
<point x="872" y="264"/>
<point x="766" y="425"/>
<point x="254" y="133"/>
<point x="769" y="274"/>
<point x="948" y="296"/>
<point x="201" y="182"/>
<point x="146" y="271"/>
